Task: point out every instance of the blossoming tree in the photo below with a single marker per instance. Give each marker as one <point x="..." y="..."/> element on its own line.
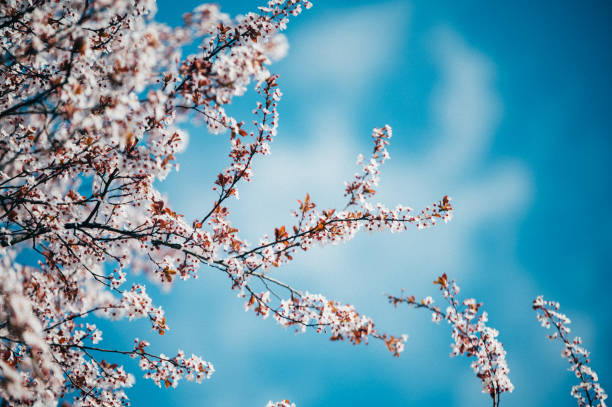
<point x="92" y="94"/>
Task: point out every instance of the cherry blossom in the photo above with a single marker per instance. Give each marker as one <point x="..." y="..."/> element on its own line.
<point x="472" y="337"/>
<point x="588" y="392"/>
<point x="284" y="403"/>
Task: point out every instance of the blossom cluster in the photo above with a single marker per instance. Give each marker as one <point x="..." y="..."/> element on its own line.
<point x="472" y="337"/>
<point x="283" y="403"/>
<point x="27" y="365"/>
<point x="588" y="392"/>
<point x="162" y="369"/>
<point x="343" y="322"/>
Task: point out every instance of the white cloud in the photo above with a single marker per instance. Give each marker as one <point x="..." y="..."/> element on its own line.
<point x="465" y="108"/>
<point x="346" y="50"/>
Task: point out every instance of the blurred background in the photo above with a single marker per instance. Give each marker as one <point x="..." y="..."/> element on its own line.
<point x="505" y="107"/>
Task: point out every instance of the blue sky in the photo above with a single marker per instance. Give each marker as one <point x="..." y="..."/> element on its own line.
<point x="504" y="107"/>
